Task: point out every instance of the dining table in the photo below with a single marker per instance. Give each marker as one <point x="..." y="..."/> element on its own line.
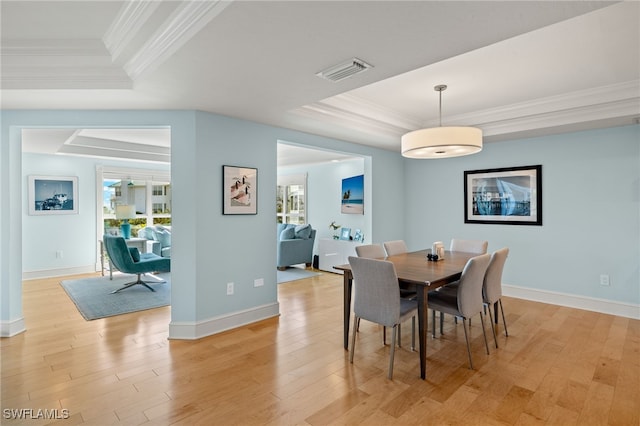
<point x="414" y="270"/>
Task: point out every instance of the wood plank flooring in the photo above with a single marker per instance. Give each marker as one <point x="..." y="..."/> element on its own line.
<point x="559" y="366"/>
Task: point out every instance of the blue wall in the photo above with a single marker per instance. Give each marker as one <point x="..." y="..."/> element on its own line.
<point x="590" y="202"/>
<point x="208" y="249"/>
<point x="591" y="213"/>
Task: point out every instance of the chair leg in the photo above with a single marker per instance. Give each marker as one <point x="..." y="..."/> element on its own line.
<point x="131" y="284"/>
<point x="503" y="320"/>
<point x="393" y="351"/>
<point x="486" y="343"/>
<point x="356" y="320"/>
<point x="441" y="323"/>
<point x="433" y="323"/>
<point x="399" y="335"/>
<point x="384" y="335"/>
<point x="466" y="337"/>
<point x="493" y="328"/>
<point x="413" y="333"/>
<point x="358" y="325"/>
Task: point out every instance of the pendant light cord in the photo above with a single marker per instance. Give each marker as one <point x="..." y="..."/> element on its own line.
<point x="440" y="88"/>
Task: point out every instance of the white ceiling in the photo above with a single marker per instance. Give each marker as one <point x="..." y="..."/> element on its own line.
<point x="514" y="69"/>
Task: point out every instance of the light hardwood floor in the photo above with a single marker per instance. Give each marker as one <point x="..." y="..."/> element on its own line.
<point x="559" y="366"/>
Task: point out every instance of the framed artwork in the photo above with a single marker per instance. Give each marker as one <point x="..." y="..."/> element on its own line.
<point x="353" y="195"/>
<point x="53" y="195"/>
<point x="509" y="196"/>
<point x="240" y="189"/>
<point x="358" y="236"/>
<point x="345" y="234"/>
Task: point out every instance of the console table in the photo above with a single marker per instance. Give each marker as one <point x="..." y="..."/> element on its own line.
<point x="335" y="252"/>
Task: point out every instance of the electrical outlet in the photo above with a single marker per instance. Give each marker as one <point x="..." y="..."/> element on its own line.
<point x="604" y="280"/>
<point x="229" y="289"/>
<point x="258" y="282"/>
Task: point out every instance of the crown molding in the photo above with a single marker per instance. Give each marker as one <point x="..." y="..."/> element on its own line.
<point x="63" y="78"/>
<point x="85" y="151"/>
<point x="13" y="49"/>
<point x="59" y="64"/>
<point x="186" y="21"/>
<point x="601" y="103"/>
<point x="130" y="20"/>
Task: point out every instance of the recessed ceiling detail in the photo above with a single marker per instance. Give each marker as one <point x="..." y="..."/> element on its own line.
<point x="560" y="66"/>
<point x="136" y="144"/>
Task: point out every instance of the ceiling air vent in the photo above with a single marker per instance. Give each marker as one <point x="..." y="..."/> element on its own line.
<point x="344" y="70"/>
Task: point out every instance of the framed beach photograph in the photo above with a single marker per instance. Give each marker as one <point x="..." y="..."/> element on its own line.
<point x="53" y="195"/>
<point x="240" y="189"/>
<point x="509" y="196"/>
<point x="353" y="195"/>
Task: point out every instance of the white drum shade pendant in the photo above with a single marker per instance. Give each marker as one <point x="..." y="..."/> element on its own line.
<point x="441" y="142"/>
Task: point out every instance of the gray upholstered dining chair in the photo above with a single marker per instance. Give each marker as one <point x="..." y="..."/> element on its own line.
<point x="398" y="247"/>
<point x="376" y="251"/>
<point x="467" y="302"/>
<point x="371" y="251"/>
<point x="376" y="299"/>
<point x="395" y="247"/>
<point x="469" y="246"/>
<point x="492" y="287"/>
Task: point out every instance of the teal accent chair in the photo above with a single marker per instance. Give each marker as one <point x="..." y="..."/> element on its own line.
<point x="130" y="261"/>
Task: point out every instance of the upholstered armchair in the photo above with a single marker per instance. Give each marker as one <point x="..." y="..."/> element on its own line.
<point x="294" y="245"/>
<point x="131" y="261"/>
<point x="158" y="239"/>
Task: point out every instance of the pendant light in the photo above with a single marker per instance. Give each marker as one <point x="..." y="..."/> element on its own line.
<point x="441" y="142"/>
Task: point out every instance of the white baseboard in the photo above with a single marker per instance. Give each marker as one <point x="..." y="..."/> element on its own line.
<point x="208" y="327"/>
<point x="48" y="273"/>
<point x="628" y="310"/>
<point x="11" y="328"/>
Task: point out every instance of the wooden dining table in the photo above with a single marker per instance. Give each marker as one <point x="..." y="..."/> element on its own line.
<point x="413" y="270"/>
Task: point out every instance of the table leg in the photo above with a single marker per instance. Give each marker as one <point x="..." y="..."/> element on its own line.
<point x="101" y="258"/>
<point x="422" y="328"/>
<point x="347" y="284"/>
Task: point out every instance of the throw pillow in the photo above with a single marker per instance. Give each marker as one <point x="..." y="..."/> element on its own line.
<point x="288" y="234"/>
<point x="163" y="236"/>
<point x="135" y="254"/>
<point x="303" y="231"/>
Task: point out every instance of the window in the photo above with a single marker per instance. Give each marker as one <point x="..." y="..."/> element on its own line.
<point x="149" y="191"/>
<point x="158" y="190"/>
<point x="291" y="199"/>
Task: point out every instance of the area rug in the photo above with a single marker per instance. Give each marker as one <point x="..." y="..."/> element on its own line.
<point x="94" y="300"/>
<point x="293" y="274"/>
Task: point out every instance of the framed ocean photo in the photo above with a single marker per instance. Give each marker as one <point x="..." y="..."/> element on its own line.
<point x="53" y="195"/>
<point x="506" y="196"/>
<point x="353" y="195"/>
